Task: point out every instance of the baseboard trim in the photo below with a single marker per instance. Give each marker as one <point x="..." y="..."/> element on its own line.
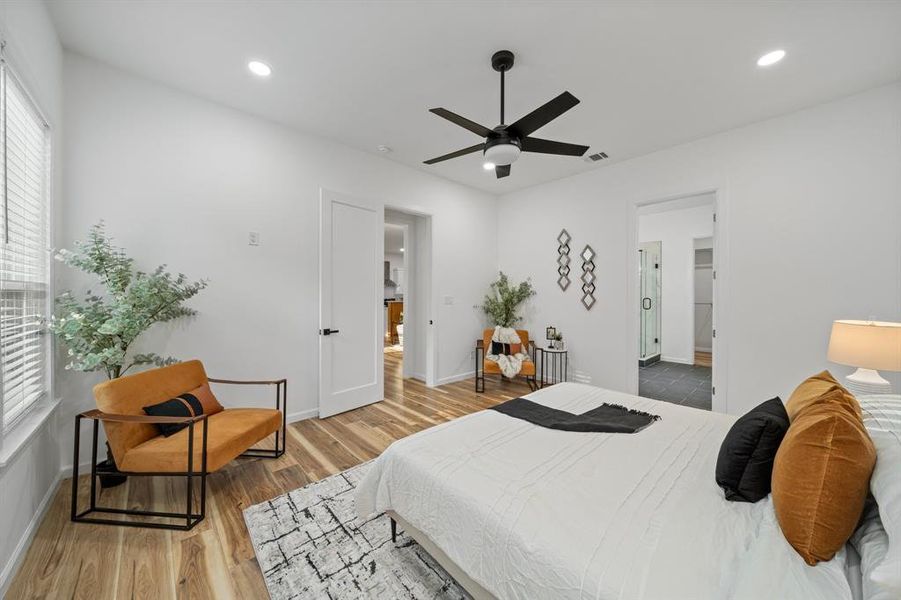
<point x="456" y="378"/>
<point x="300" y="415"/>
<point x="674" y="359"/>
<point x="703" y="349"/>
<point x="18" y="555"/>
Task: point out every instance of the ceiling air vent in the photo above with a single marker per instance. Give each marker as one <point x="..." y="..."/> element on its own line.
<point x="598" y="156"/>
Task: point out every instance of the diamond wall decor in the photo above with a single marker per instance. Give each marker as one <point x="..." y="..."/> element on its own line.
<point x="563" y="259"/>
<point x="588" y="277"/>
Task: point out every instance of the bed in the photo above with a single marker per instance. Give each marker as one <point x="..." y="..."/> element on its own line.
<point x="513" y="510"/>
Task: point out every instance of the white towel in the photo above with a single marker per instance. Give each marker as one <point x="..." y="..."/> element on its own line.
<point x="510" y="364"/>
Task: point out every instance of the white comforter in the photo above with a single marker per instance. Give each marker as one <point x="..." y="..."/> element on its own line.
<point x="530" y="512"/>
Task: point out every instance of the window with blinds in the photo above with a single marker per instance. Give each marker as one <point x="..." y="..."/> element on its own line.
<point x="24" y="252"/>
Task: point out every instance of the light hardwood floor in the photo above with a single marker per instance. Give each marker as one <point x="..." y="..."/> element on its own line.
<point x="216" y="559"/>
<point x="703" y="359"/>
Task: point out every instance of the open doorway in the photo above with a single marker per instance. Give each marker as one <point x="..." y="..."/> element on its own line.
<point x="676" y="300"/>
<point x="407" y="299"/>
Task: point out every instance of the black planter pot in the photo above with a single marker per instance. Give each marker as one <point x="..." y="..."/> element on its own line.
<point x="109" y="473"/>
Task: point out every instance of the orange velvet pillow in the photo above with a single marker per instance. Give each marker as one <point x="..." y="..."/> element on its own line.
<point x="821" y="477"/>
<point x="515" y="348"/>
<point x="813" y="389"/>
<point x="206" y="398"/>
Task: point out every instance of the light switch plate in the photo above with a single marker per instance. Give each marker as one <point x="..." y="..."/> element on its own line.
<point x="254" y="238"/>
<point x="448" y="300"/>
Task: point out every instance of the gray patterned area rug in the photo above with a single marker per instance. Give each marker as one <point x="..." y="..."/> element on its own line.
<point x="310" y="544"/>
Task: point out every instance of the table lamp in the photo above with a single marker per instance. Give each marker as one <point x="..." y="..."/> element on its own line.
<point x="869" y="346"/>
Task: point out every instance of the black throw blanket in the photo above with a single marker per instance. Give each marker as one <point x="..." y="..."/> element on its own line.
<point x="606" y="418"/>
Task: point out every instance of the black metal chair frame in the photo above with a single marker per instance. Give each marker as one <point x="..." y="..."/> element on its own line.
<point x="190" y="517"/>
<point x="480" y="367"/>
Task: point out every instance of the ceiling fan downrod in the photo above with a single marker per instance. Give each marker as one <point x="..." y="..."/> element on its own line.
<point x="502" y="61"/>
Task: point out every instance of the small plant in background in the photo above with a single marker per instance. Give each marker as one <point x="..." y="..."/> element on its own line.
<point x="503" y="301"/>
<point x="99" y="330"/>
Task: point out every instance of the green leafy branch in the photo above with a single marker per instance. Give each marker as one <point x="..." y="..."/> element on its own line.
<point x="98" y="330"/>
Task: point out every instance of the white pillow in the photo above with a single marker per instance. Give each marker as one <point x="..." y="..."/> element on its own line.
<point x="871" y="542"/>
<point x="882" y="418"/>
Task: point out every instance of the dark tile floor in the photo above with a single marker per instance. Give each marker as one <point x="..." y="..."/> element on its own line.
<point x="688" y="385"/>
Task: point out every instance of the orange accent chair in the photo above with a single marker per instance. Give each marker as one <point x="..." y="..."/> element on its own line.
<point x="483" y="365"/>
<point x="208" y="443"/>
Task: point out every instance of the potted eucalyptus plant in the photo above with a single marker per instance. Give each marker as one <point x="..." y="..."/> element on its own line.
<point x="502" y="302"/>
<point x="100" y="329"/>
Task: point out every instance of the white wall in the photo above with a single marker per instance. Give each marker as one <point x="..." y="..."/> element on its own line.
<point x="28" y="480"/>
<point x="181" y="181"/>
<point x="676" y="230"/>
<point x="810" y="204"/>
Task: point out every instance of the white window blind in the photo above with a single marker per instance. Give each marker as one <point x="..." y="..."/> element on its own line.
<point x="24" y="252"/>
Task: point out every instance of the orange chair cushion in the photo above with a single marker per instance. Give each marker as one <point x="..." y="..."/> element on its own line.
<point x="229" y="434"/>
<point x="128" y="395"/>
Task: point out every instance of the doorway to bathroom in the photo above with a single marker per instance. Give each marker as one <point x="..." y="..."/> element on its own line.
<point x="676" y="272"/>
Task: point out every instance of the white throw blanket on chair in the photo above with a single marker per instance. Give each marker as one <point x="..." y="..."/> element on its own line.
<point x="510" y="364"/>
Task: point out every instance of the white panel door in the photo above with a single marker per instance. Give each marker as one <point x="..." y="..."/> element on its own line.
<point x="351" y="278"/>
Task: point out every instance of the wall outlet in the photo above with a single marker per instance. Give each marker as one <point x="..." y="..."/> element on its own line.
<point x="448" y="300"/>
<point x="253" y="238"/>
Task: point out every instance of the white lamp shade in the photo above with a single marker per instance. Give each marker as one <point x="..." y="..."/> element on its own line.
<point x="502" y="154"/>
<point x="866" y="344"/>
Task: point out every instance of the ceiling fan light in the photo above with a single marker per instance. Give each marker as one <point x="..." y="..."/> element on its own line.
<point x="488" y="166"/>
<point x="502" y="154"/>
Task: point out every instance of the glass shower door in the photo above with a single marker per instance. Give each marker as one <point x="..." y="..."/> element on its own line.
<point x="649" y="266"/>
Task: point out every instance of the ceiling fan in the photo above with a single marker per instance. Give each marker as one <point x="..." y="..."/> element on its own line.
<point x="504" y="143"/>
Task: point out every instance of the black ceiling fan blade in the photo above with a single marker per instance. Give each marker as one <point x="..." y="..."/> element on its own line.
<point x="531" y="144"/>
<point x="502" y="170"/>
<point x="544" y="114"/>
<point x="462" y="152"/>
<point x="463" y="122"/>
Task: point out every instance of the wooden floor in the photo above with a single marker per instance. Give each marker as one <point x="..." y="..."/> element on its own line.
<point x="703" y="359"/>
<point x="216" y="559"/>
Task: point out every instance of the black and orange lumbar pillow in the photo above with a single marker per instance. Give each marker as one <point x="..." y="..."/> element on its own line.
<point x="199" y="401"/>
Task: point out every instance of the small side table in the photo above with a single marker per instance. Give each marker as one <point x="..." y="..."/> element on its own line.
<point x="554" y="366"/>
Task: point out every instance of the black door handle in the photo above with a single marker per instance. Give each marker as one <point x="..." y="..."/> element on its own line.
<point x="327" y="331"/>
<point x="646" y="306"/>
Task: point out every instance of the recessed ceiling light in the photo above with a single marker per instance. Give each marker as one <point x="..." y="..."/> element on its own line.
<point x="488" y="166"/>
<point x="401" y="249"/>
<point x="384" y="149"/>
<point x="259" y="68"/>
<point x="770" y="58"/>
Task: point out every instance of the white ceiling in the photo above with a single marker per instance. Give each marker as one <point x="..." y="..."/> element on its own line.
<point x="649" y="74"/>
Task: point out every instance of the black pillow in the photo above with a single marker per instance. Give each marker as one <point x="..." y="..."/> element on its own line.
<point x="499" y="348"/>
<point x="186" y="405"/>
<point x="744" y="466"/>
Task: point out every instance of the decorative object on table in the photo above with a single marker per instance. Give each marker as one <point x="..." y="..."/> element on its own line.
<point x="870" y="346"/>
<point x="550" y="336"/>
<point x="206" y="439"/>
<point x="100" y="329"/>
<point x="558" y="341"/>
<point x="553" y="366"/>
<point x="496" y="364"/>
<point x="588" y="277"/>
<point x="503" y="301"/>
<point x="303" y="539"/>
<point x="563" y="260"/>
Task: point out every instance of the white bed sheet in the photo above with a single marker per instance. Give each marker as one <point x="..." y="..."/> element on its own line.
<point x="530" y="512"/>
